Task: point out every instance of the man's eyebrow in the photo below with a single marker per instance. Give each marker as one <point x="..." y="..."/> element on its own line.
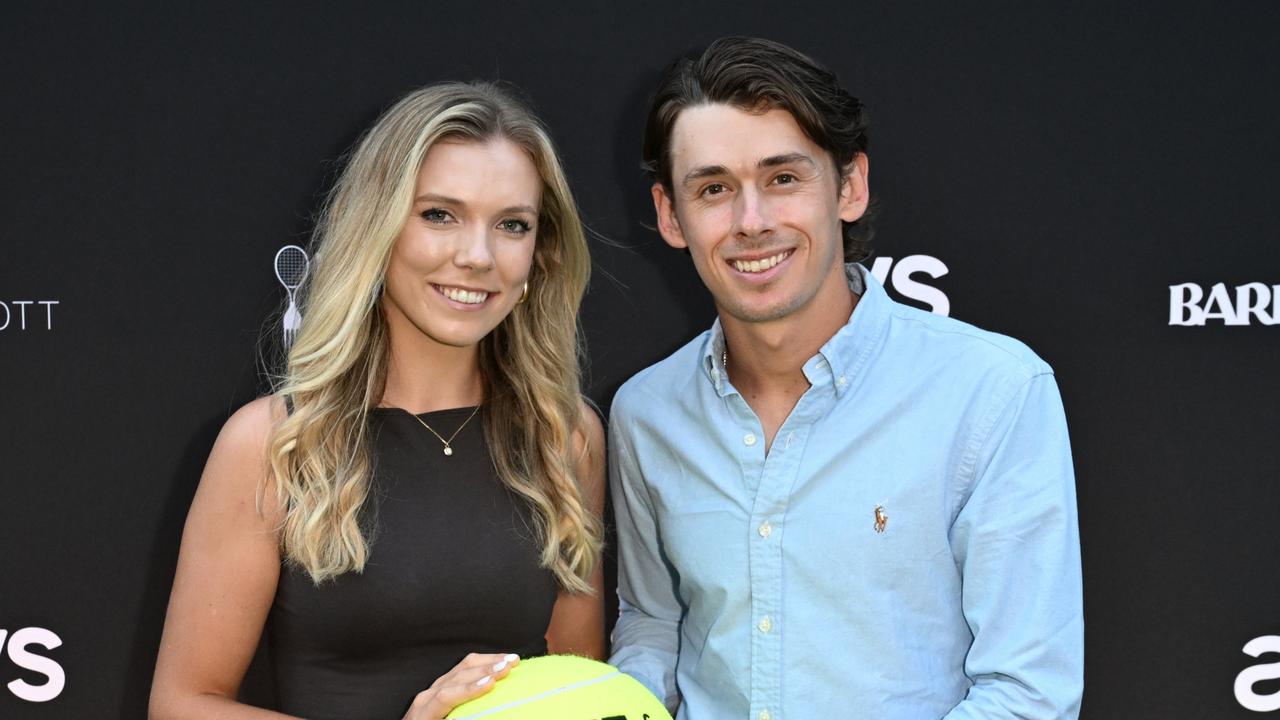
<point x="787" y="159"/>
<point x="771" y="161"/>
<point x="704" y="171"/>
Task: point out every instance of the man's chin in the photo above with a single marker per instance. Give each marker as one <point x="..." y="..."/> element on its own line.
<point x="759" y="312"/>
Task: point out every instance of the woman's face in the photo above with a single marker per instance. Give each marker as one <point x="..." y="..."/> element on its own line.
<point x="461" y="261"/>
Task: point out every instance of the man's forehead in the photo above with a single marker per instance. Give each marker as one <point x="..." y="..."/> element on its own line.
<point x="716" y="133"/>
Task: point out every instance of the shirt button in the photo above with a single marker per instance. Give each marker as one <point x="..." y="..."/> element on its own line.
<point x="749" y="439"/>
<point x="766" y="624"/>
<point x="764" y="715"/>
<point x="842" y="381"/>
<point x="765" y="529"/>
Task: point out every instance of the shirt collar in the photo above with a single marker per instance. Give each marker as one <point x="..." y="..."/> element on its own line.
<point x="842" y="357"/>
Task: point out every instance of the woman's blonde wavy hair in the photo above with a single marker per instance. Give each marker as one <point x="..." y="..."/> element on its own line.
<point x="319" y="454"/>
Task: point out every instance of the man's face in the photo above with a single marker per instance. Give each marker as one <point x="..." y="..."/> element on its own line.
<point x="759" y="206"/>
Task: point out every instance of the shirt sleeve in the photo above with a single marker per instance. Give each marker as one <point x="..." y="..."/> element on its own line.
<point x="1016" y="541"/>
<point x="646" y="639"/>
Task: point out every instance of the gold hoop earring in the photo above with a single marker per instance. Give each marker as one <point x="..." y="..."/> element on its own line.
<point x="525" y="295"/>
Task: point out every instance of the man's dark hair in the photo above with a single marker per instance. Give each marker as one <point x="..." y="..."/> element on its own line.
<point x="758" y="75"/>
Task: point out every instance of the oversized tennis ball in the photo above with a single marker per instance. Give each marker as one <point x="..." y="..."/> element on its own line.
<point x="564" y="687"/>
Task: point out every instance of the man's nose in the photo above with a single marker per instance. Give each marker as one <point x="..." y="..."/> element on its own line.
<point x="752" y="214"/>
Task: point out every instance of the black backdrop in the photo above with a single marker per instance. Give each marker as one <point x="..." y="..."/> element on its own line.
<point x="1066" y="164"/>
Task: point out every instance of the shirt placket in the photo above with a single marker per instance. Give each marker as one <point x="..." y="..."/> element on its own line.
<point x="777" y="476"/>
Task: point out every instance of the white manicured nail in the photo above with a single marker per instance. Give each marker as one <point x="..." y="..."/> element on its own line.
<point x="482" y="681"/>
<point x="500" y="666"/>
<point x="511" y="658"/>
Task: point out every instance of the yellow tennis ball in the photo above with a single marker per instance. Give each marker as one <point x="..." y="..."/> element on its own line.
<point x="564" y="687"/>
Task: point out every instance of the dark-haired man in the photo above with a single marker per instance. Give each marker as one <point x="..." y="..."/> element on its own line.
<point x="830" y="505"/>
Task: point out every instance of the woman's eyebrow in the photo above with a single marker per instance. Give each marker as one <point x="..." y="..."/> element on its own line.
<point x="446" y="200"/>
<point x="442" y="199"/>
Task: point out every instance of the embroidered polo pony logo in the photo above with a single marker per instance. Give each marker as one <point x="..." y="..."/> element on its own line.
<point x="882" y="518"/>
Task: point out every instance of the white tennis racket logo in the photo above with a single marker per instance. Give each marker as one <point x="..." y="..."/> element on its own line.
<point x="292" y="265"/>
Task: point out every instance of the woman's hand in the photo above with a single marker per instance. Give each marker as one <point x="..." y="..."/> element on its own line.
<point x="471" y="678"/>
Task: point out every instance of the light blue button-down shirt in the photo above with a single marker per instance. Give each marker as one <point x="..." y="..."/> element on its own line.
<point x="908" y="547"/>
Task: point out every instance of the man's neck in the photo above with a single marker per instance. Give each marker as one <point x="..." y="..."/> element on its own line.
<point x="764" y="355"/>
<point x="765" y="360"/>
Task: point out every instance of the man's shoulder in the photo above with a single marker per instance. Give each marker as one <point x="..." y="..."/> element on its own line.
<point x="664" y="380"/>
<point x="960" y="343"/>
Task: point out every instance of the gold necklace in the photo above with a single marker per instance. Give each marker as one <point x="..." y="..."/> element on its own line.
<point x="447" y="449"/>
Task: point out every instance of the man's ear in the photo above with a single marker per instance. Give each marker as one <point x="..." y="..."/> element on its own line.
<point x="668" y="223"/>
<point x="855" y="193"/>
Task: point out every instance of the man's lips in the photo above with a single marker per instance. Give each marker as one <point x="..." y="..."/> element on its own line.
<point x="759" y="264"/>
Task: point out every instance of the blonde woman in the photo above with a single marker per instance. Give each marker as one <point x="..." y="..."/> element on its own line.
<point x="418" y="504"/>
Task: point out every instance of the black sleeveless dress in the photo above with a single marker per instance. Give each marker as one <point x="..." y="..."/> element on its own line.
<point x="453" y="569"/>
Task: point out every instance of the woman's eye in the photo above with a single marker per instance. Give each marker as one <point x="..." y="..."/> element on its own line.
<point x="515" y="227"/>
<point x="436" y="215"/>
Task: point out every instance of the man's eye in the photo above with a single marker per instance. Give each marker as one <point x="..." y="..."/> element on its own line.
<point x="437" y="216"/>
<point x="713" y="189"/>
<point x="515" y="227"/>
<point x="785" y="179"/>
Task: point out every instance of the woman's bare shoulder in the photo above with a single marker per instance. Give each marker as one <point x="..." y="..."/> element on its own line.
<point x="253" y="422"/>
<point x="238" y="470"/>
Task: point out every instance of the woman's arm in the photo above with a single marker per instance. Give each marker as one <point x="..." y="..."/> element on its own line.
<point x="228" y="568"/>
<point x="577" y="622"/>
